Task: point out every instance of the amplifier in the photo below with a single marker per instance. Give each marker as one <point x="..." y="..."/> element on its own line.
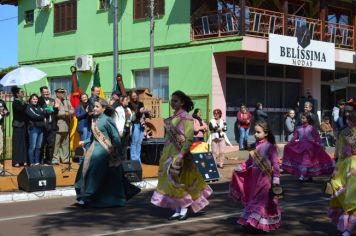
<point x="37" y="178"/>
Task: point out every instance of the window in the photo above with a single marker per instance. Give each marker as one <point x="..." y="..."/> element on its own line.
<point x="29" y="17"/>
<point x="104" y="5"/>
<point x="65" y="16"/>
<point x="159" y="85"/>
<point x="142" y="8"/>
<point x="64" y="82"/>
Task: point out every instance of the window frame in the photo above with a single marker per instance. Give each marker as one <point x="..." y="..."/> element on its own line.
<point x="101" y="3"/>
<point x="28" y="13"/>
<point x="65" y="16"/>
<point x="156" y="70"/>
<point x="139" y="12"/>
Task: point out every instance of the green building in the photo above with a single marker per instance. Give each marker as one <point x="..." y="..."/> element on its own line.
<point x="209" y="49"/>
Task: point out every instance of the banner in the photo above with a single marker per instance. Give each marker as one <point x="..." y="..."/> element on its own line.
<point x="301" y="51"/>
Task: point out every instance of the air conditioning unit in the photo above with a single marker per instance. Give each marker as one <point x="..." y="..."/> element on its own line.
<point x="84" y="62"/>
<point x="43" y="3"/>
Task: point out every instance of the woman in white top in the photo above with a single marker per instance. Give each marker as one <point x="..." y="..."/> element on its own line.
<point x="217" y="127"/>
<point x="122" y="121"/>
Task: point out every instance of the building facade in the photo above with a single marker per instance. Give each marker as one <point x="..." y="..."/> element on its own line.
<point x="210" y="49"/>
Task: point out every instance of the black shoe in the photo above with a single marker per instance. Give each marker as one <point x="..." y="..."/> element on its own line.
<point x="173" y="217"/>
<point x="183" y="217"/>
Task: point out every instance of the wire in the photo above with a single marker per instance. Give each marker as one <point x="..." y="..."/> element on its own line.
<point x="15" y="17"/>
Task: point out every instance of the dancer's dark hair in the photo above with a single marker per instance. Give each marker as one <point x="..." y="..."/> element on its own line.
<point x="188" y="104"/>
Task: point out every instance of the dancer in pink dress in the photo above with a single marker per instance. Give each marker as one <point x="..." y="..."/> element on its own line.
<point x="252" y="181"/>
<point x="303" y="155"/>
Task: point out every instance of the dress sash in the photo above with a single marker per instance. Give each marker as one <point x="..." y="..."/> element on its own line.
<point x="262" y="163"/>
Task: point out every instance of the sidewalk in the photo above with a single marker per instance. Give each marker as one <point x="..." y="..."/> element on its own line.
<point x="232" y="158"/>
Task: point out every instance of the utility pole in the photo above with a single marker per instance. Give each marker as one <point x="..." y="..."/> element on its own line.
<point x="152" y="29"/>
<point x="116" y="47"/>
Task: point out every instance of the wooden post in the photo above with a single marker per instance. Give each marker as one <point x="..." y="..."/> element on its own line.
<point x="322" y="18"/>
<point x="285" y="17"/>
<point x="242" y="17"/>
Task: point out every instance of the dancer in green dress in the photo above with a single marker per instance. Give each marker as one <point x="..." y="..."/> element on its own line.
<point x="100" y="181"/>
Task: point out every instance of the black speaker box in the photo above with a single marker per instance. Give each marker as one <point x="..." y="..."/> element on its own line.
<point x="152" y="150"/>
<point x="37" y="178"/>
<point x="132" y="170"/>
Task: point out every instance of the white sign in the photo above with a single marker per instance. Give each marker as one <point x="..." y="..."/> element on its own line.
<point x="301" y="51"/>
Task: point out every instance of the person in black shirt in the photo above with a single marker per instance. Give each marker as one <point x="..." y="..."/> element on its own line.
<point x="36" y="123"/>
<point x="49" y="131"/>
<point x="19" y="128"/>
<point x="138" y="126"/>
<point x="259" y="114"/>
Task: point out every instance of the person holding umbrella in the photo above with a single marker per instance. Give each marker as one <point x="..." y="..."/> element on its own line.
<point x="19" y="137"/>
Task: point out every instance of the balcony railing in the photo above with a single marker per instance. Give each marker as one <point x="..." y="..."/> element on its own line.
<point x="260" y="22"/>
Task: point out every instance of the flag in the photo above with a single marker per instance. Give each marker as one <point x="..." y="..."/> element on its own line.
<point x="75" y="101"/>
<point x="97" y="81"/>
<point x="120" y="84"/>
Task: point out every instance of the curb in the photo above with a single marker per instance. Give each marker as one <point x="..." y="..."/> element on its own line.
<point x="60" y="192"/>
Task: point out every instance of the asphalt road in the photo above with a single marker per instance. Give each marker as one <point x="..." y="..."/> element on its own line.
<point x="304" y="211"/>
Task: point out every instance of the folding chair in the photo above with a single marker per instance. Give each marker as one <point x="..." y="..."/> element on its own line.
<point x="229" y="22"/>
<point x="256" y="22"/>
<point x="272" y="24"/>
<point x="205" y="23"/>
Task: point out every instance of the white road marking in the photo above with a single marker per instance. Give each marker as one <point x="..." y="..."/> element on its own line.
<point x="199" y="219"/>
<point x="34" y="215"/>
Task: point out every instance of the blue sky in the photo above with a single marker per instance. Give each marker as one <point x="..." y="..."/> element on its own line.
<point x="8" y="36"/>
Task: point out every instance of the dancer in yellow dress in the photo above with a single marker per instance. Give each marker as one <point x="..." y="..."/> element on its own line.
<point x="180" y="185"/>
<point x="343" y="183"/>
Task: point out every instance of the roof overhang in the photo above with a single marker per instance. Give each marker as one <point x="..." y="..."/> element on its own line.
<point x="9" y="2"/>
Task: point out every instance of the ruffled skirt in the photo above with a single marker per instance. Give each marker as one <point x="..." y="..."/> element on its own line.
<point x="307" y="158"/>
<point x="261" y="211"/>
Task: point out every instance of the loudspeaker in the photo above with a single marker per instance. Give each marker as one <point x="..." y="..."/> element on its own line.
<point x="37" y="178"/>
<point x="152" y="150"/>
<point x="132" y="170"/>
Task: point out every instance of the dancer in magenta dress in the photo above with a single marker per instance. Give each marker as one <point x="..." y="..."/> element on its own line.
<point x="252" y="181"/>
<point x="303" y="155"/>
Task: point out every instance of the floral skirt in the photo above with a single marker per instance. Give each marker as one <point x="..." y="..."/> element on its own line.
<point x="190" y="189"/>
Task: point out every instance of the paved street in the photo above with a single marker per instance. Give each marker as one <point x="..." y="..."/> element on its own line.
<point x="304" y="213"/>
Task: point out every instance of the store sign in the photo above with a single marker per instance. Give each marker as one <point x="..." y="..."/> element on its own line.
<point x="301" y="51"/>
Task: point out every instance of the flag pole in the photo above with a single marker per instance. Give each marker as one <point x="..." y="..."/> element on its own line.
<point x="116" y="48"/>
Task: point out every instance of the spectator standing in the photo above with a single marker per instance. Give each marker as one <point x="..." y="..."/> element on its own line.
<point x="200" y="127"/>
<point x="19" y="128"/>
<point x="290" y="124"/>
<point x="65" y="111"/>
<point x="218" y="128"/>
<point x="36" y="123"/>
<point x="244" y="123"/>
<point x="259" y="114"/>
<point x="138" y="126"/>
<point x="122" y="119"/>
<point x="81" y="112"/>
<point x="49" y="130"/>
<point x="338" y="116"/>
<point x="95" y="93"/>
<point x="308" y="107"/>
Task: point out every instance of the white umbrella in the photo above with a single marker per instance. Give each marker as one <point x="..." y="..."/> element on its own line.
<point x="22" y="75"/>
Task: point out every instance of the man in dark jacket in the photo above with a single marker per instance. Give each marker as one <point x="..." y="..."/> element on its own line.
<point x="49" y="134"/>
<point x="308" y="107"/>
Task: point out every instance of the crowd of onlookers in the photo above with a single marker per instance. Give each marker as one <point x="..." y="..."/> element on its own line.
<point x="41" y="124"/>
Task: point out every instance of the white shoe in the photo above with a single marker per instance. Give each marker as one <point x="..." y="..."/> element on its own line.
<point x="81" y="202"/>
<point x="346" y="233"/>
<point x="301" y="178"/>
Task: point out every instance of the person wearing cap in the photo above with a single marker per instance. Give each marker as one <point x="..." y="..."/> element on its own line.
<point x="3" y="113"/>
<point x="338" y="116"/>
<point x="65" y="112"/>
<point x="342" y="209"/>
